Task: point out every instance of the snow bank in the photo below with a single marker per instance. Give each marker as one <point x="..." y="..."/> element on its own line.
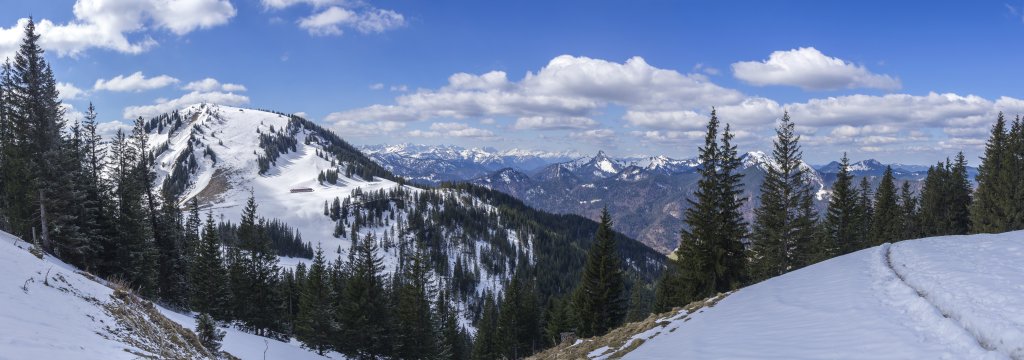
<point x="942" y="298"/>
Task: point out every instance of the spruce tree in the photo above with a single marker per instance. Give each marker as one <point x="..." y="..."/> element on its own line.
<point x="313" y="325"/>
<point x="209" y="286"/>
<point x="783" y="230"/>
<point x="365" y="315"/>
<point x="600" y="299"/>
<point x="908" y="212"/>
<point x="843" y="217"/>
<point x="485" y="346"/>
<point x="416" y="337"/>
<point x="959" y="217"/>
<point x="865" y="213"/>
<point x="887" y="222"/>
<point x="209" y="335"/>
<point x="993" y="208"/>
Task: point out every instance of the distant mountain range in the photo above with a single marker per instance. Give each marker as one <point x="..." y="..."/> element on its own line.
<point x="646" y="195"/>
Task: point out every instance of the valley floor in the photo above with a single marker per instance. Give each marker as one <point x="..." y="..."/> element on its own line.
<point x="954" y="297"/>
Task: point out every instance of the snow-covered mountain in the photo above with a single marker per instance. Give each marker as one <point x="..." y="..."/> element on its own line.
<point x="433" y="164"/>
<point x="310" y="179"/>
<point x="53" y="311"/>
<point x="952" y="297"/>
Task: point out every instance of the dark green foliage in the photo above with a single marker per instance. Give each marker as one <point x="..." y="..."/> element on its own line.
<point x="909" y="213"/>
<point x="415" y="336"/>
<point x="364" y="314"/>
<point x="519" y="330"/>
<point x="209" y="335"/>
<point x="486" y="346"/>
<point x="209" y="286"/>
<point x="843" y="219"/>
<point x="711" y="254"/>
<point x="784" y="224"/>
<point x="600" y="299"/>
<point x="946" y="200"/>
<point x="313" y="325"/>
<point x="887" y="222"/>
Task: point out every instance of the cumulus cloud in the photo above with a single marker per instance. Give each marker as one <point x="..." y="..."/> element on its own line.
<point x="564" y="94"/>
<point x="68" y="91"/>
<point x="594" y="134"/>
<point x="135" y="82"/>
<point x="553" y="123"/>
<point x="452" y="129"/>
<point x="167" y="105"/>
<point x="108" y="24"/>
<point x="332" y="21"/>
<point x="211" y="84"/>
<point x="809" y="69"/>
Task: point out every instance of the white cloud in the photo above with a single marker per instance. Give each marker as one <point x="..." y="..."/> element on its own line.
<point x="109" y="128"/>
<point x="366" y="128"/>
<point x="377" y="86"/>
<point x="809" y="69"/>
<point x="281" y="4"/>
<point x="166" y="105"/>
<point x="452" y="129"/>
<point x="69" y="91"/>
<point x="107" y="24"/>
<point x="134" y="82"/>
<point x="211" y="84"/>
<point x="399" y="88"/>
<point x="332" y="20"/>
<point x="553" y="123"/>
<point x="562" y="93"/>
<point x="594" y="134"/>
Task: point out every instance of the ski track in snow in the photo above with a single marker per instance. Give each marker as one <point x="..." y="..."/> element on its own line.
<point x="949" y="297"/>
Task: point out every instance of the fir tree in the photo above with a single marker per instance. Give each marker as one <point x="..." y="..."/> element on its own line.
<point x="209" y="287"/>
<point x="784" y="223"/>
<point x="887" y="220"/>
<point x="842" y="217"/>
<point x="993" y="209"/>
<point x="313" y="325"/>
<point x="518" y="319"/>
<point x="908" y="212"/>
<point x="209" y="335"/>
<point x="365" y="320"/>
<point x="959" y="217"/>
<point x="485" y="346"/>
<point x="416" y="338"/>
<point x="599" y="298"/>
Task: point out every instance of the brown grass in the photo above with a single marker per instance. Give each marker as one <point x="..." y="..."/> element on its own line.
<point x="620" y="341"/>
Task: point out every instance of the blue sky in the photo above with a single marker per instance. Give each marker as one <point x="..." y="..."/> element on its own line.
<point x="897" y="81"/>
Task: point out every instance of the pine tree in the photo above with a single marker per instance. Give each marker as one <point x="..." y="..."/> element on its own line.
<point x="908" y="213"/>
<point x="313" y="325"/>
<point x="485" y="346"/>
<point x="784" y="223"/>
<point x="173" y="280"/>
<point x="865" y="213"/>
<point x="134" y="253"/>
<point x="365" y="320"/>
<point x="209" y="286"/>
<point x="416" y="338"/>
<point x="711" y="254"/>
<point x="842" y="218"/>
<point x="518" y="319"/>
<point x="599" y="298"/>
<point x="959" y="217"/>
<point x="887" y="222"/>
<point x="451" y="335"/>
<point x="993" y="208"/>
<point x="209" y="335"/>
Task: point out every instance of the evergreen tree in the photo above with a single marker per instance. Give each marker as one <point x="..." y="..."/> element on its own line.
<point x="209" y="335"/>
<point x="134" y="254"/>
<point x="842" y="219"/>
<point x="173" y="280"/>
<point x="994" y="207"/>
<point x="519" y="319"/>
<point x="451" y="336"/>
<point x="909" y="212"/>
<point x="887" y="223"/>
<point x="485" y="346"/>
<point x="416" y="338"/>
<point x="313" y="325"/>
<point x="365" y="320"/>
<point x="959" y="217"/>
<point x="599" y="298"/>
<point x="865" y="213"/>
<point x="784" y="223"/>
<point x="711" y="254"/>
<point x="209" y="286"/>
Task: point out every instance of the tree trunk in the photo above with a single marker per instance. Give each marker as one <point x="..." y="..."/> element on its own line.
<point x="47" y="247"/>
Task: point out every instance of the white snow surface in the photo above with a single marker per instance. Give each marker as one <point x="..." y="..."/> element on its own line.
<point x="952" y="297"/>
<point x="67" y="320"/>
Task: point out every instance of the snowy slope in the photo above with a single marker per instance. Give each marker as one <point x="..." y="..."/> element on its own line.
<point x="954" y="297"/>
<point x="52" y="311"/>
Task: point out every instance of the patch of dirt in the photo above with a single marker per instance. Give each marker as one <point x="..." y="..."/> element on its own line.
<point x="623" y="340"/>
